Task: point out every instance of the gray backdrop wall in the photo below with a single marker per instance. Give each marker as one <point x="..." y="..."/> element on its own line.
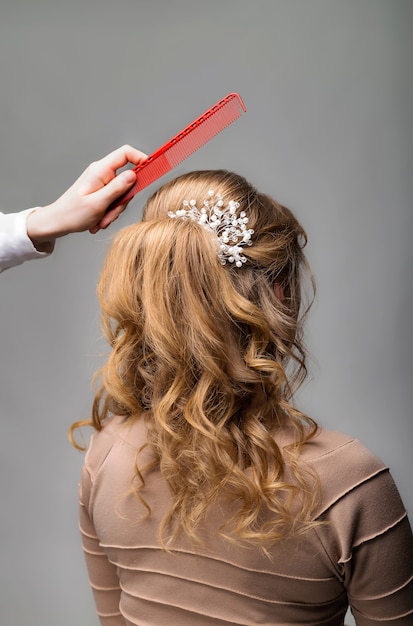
<point x="327" y="85"/>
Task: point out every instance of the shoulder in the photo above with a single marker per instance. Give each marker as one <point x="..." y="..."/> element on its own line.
<point x="102" y="443"/>
<point x="328" y="446"/>
<point x="109" y="463"/>
<point x="117" y="432"/>
<point x="364" y="513"/>
<point x="342" y="464"/>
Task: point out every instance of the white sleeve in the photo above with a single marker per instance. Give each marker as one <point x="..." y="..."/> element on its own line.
<point x="15" y="245"/>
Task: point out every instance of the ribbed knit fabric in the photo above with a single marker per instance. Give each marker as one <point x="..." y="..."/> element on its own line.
<point x="363" y="556"/>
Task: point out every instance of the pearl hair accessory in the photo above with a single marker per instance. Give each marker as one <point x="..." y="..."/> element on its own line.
<point x="224" y="222"/>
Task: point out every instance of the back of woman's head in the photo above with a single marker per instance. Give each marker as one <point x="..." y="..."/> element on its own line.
<point x="202" y="349"/>
<point x="272" y="280"/>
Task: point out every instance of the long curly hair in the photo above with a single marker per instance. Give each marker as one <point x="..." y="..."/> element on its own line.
<point x="210" y="357"/>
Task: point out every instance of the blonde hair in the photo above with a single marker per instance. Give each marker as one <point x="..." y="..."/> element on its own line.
<point x="210" y="357"/>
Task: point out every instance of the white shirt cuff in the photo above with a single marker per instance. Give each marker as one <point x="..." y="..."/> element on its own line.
<point x="15" y="245"/>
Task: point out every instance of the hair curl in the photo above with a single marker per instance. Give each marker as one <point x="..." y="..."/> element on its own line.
<point x="210" y="356"/>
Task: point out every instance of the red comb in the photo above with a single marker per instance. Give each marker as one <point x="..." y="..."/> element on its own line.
<point x="199" y="132"/>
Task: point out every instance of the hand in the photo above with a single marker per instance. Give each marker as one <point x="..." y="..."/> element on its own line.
<point x="83" y="206"/>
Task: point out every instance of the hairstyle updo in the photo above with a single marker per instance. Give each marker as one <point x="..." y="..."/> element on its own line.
<point x="210" y="356"/>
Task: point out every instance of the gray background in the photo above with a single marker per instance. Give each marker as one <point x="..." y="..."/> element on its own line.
<point x="327" y="85"/>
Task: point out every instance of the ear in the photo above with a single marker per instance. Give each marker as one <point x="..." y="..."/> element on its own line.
<point x="278" y="290"/>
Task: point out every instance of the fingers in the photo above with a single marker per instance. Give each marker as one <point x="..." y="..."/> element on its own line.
<point x="118" y="158"/>
<point x="108" y="218"/>
<point x="104" y="186"/>
<point x="115" y="187"/>
<point x="100" y="173"/>
<point x="107" y="195"/>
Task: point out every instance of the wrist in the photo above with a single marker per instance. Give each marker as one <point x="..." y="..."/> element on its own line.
<point x="40" y="229"/>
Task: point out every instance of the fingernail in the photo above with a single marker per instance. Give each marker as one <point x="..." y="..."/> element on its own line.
<point x="129" y="176"/>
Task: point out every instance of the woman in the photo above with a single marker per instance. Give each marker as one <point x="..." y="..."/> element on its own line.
<point x="206" y="496"/>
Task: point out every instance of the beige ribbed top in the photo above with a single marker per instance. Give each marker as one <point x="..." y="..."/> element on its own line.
<point x="362" y="558"/>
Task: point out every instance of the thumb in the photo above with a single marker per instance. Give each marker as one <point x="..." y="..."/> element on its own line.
<point x="117" y="186"/>
<point x="108" y="197"/>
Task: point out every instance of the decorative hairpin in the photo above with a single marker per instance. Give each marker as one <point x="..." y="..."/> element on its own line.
<point x="223" y="221"/>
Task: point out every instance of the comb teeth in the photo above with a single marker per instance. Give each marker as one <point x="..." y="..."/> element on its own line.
<point x="213" y="125"/>
<point x="185" y="143"/>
